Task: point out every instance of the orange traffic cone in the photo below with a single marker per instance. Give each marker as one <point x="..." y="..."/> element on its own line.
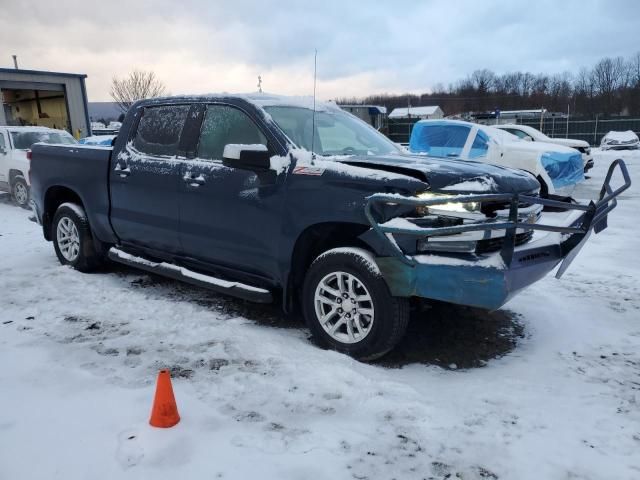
<point x="164" y="413"/>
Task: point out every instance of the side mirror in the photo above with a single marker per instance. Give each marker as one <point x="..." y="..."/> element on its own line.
<point x="527" y="139"/>
<point x="249" y="157"/>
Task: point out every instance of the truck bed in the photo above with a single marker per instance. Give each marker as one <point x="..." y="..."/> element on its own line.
<point x="83" y="169"/>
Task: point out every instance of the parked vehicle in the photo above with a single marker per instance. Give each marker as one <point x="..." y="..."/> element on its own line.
<point x="223" y="192"/>
<point x="620" y="141"/>
<point x="557" y="168"/>
<point x="14" y="164"/>
<point x="530" y="134"/>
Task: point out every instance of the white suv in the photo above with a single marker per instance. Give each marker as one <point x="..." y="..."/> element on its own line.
<point x="14" y="164"/>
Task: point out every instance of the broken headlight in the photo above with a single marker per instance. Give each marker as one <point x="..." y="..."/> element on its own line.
<point x="447" y="208"/>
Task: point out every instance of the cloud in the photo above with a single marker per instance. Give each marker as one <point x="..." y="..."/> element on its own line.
<point x="363" y="47"/>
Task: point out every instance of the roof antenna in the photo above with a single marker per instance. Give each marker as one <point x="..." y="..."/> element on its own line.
<point x="313" y="121"/>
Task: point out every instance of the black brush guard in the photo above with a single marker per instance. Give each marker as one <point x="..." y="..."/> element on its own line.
<point x="593" y="219"/>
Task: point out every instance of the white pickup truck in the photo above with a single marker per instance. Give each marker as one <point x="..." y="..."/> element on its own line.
<point x="14" y="164"/>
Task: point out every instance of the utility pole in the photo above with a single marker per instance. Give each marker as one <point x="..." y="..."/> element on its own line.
<point x="15" y="61"/>
<point x="541" y="116"/>
<point x="259" y="84"/>
<point x="567" y="135"/>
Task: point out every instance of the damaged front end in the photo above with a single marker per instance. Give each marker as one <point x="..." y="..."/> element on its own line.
<point x="448" y="252"/>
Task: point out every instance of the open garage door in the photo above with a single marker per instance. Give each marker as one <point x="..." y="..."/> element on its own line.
<point x="45" y="107"/>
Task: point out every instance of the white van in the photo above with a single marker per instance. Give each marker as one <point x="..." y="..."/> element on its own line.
<point x="14" y="164"/>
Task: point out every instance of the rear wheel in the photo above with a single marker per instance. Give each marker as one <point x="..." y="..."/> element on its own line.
<point x="72" y="239"/>
<point x="348" y="307"/>
<point x="20" y="191"/>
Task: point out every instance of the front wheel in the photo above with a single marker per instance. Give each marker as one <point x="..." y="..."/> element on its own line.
<point x="348" y="307"/>
<point x="72" y="239"/>
<point x="20" y="191"/>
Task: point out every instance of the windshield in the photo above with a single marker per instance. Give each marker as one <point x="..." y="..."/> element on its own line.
<point x="501" y="135"/>
<point x="336" y="132"/>
<point x="24" y="140"/>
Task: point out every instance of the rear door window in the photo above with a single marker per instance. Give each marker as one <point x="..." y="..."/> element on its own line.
<point x="225" y="125"/>
<point x="159" y="130"/>
<point x="440" y="140"/>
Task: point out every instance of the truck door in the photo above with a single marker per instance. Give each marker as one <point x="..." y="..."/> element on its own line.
<point x="144" y="181"/>
<point x="229" y="216"/>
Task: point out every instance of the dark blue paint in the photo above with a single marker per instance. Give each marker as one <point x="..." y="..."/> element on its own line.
<point x="246" y="223"/>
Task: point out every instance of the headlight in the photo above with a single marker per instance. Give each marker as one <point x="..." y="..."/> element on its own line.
<point x="444" y="208"/>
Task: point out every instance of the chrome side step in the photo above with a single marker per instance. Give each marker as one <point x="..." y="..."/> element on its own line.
<point x="237" y="289"/>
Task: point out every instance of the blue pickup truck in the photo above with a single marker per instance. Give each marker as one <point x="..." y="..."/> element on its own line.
<point x="268" y="199"/>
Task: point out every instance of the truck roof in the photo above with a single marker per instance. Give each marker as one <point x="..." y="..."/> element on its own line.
<point x="35" y="128"/>
<point x="256" y="98"/>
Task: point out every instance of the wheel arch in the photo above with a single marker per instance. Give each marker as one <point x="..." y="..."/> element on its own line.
<point x="313" y="241"/>
<point x="13" y="173"/>
<point x="53" y="198"/>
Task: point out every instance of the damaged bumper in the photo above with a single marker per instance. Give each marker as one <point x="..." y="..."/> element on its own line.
<point x="490" y="280"/>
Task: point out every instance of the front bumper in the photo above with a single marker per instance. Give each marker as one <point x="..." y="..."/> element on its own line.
<point x="490" y="280"/>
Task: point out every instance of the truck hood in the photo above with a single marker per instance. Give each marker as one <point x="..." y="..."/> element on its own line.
<point x="569" y="142"/>
<point x="452" y="176"/>
<point x="536" y="147"/>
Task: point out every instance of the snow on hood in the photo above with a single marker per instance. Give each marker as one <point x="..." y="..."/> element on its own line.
<point x="480" y="184"/>
<point x="452" y="175"/>
<point x="569" y="142"/>
<point x="538" y="147"/>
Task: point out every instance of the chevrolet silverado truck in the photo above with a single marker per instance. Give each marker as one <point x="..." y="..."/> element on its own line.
<point x="268" y="198"/>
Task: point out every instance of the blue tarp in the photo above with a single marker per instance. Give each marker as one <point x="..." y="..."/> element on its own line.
<point x="438" y="139"/>
<point x="563" y="168"/>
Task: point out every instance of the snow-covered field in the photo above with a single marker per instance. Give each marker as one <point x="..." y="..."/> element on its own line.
<point x="548" y="388"/>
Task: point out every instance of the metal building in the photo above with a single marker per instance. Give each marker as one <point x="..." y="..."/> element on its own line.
<point x="374" y="115"/>
<point x="49" y="99"/>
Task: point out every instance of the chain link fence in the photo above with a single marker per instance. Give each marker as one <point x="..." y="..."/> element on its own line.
<point x="591" y="130"/>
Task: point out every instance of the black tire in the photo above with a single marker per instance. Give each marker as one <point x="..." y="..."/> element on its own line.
<point x="20" y="191"/>
<point x="87" y="258"/>
<point x="391" y="314"/>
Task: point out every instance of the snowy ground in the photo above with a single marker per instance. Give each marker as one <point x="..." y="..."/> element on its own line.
<point x="548" y="388"/>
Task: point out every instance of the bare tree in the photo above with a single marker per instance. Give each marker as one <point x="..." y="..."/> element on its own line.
<point x="136" y="86"/>
<point x="634" y="70"/>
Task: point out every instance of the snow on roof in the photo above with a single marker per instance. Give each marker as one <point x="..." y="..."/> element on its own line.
<point x="271" y="100"/>
<point x="260" y="99"/>
<point x="404" y="112"/>
<point x="626" y="136"/>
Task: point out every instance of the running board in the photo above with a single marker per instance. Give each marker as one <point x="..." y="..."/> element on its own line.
<point x="237" y="289"/>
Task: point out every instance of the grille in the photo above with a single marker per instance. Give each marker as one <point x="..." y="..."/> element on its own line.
<point x="495" y="244"/>
<point x="490" y="208"/>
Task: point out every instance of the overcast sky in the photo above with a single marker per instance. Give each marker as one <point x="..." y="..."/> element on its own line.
<point x="363" y="47"/>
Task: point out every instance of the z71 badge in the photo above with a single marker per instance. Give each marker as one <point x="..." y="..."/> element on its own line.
<point x="306" y="170"/>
